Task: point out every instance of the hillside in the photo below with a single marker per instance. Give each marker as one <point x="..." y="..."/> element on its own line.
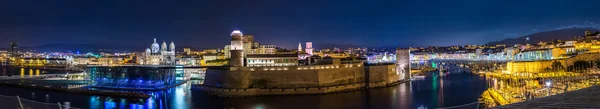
<point x="562" y="34"/>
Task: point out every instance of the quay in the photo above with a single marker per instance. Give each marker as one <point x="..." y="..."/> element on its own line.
<point x="75" y="90"/>
<point x="586" y="98"/>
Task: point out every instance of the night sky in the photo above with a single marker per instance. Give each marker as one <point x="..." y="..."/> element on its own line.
<point x="208" y="23"/>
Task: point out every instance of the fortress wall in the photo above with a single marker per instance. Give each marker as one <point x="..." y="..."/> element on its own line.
<point x="381" y="75"/>
<point x="346" y="74"/>
<point x="227" y="78"/>
<point x="286" y="80"/>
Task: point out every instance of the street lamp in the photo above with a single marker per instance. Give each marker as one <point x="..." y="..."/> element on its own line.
<point x="548" y="84"/>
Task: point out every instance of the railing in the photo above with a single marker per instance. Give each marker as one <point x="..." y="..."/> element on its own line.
<point x="15" y="102"/>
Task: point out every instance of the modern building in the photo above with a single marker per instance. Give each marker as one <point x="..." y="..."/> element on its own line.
<point x="13" y="49"/>
<point x="159" y="55"/>
<point x="132" y="77"/>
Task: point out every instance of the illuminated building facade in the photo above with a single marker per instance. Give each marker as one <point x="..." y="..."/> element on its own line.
<point x="265" y="49"/>
<point x="42" y="62"/>
<point x="187" y="51"/>
<point x="104" y="60"/>
<point x="132" y="77"/>
<point x="309" y="49"/>
<point x="381" y="58"/>
<point x="255" y="60"/>
<point x="535" y="54"/>
<point x="159" y="55"/>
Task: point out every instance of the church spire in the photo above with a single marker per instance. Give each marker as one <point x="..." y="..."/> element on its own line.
<point x="172" y="46"/>
<point x="164" y="46"/>
<point x="299" y="47"/>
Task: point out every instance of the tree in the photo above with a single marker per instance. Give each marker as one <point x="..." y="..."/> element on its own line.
<point x="556" y="66"/>
<point x="597" y="63"/>
<point x="579" y="66"/>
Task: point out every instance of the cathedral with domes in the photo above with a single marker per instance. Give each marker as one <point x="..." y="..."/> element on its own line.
<point x="159" y="55"/>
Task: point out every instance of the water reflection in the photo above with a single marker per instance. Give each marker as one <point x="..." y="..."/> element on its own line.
<point x="175" y="98"/>
<point x="29" y="72"/>
<point x="450" y="90"/>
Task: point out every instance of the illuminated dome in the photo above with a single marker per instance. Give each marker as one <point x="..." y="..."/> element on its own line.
<point x="235" y="32"/>
<point x="147" y="50"/>
<point x="155" y="47"/>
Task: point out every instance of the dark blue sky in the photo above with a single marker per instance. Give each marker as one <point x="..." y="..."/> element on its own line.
<point x="208" y="23"/>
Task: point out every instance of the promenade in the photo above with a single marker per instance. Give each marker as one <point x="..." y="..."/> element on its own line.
<point x="579" y="99"/>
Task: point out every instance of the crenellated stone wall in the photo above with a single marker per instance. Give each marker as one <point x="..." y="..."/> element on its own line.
<point x="325" y="78"/>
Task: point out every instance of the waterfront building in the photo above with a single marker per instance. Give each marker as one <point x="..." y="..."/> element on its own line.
<point x="132" y="77"/>
<point x="159" y="55"/>
<point x="534" y="54"/>
<point x="102" y="60"/>
<point x="189" y="60"/>
<point x="41" y="61"/>
<point x="253" y="60"/>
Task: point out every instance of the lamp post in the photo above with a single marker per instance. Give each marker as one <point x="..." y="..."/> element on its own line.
<point x="548" y="85"/>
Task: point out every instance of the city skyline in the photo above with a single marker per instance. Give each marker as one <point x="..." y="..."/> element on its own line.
<point x="285" y="23"/>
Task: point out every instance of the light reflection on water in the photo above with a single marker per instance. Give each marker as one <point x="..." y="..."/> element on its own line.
<point x="450" y="90"/>
<point x="176" y="98"/>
